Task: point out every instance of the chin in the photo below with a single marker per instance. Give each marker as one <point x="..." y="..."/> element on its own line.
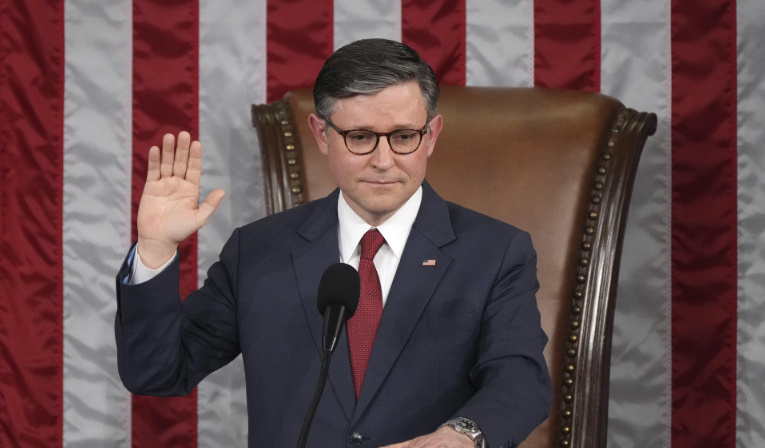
<point x="383" y="206"/>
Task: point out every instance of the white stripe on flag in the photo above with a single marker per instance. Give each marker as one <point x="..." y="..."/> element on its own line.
<point x="96" y="216"/>
<point x="500" y="43"/>
<point x="362" y="19"/>
<point x="750" y="388"/>
<point x="232" y="73"/>
<point x="636" y="69"/>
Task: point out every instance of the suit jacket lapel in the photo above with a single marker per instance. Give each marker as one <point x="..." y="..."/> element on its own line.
<point x="310" y="262"/>
<point x="410" y="292"/>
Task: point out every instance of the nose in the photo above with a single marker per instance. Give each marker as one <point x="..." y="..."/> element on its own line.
<point x="382" y="156"/>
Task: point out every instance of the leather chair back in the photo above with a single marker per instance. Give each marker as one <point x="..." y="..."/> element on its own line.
<point x="558" y="164"/>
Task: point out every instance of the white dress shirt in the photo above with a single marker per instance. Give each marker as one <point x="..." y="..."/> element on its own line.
<point x="395" y="230"/>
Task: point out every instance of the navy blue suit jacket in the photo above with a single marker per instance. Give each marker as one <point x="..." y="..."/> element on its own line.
<point x="461" y="338"/>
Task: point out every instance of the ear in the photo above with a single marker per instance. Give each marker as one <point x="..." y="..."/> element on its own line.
<point x="436" y="124"/>
<point x="318" y="127"/>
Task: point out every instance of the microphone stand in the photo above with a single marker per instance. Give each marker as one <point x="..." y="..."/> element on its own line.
<point x="325" y="359"/>
<point x="334" y="319"/>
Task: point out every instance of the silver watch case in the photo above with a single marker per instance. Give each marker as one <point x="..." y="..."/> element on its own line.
<point x="468" y="427"/>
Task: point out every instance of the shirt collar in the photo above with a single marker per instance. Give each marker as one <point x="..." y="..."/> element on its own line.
<point x="395" y="229"/>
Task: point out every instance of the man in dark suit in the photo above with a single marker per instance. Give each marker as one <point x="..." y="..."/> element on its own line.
<point x="445" y="349"/>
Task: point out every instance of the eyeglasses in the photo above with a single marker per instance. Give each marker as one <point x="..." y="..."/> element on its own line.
<point x="364" y="141"/>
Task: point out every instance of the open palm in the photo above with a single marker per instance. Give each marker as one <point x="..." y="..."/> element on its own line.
<point x="169" y="211"/>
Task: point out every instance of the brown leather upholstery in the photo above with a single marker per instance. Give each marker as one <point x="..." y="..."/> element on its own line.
<point x="559" y="164"/>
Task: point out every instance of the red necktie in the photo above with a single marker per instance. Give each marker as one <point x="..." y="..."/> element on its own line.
<point x="362" y="327"/>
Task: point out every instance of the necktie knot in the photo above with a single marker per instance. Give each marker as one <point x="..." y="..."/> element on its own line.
<point x="371" y="242"/>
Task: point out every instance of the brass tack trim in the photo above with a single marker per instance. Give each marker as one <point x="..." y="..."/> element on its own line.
<point x="296" y="190"/>
<point x="291" y="161"/>
<point x="288" y="133"/>
<point x="576" y="310"/>
<point x="290" y="147"/>
<point x="285" y="122"/>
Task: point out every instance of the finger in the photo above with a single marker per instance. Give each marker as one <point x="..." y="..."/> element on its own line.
<point x="194" y="170"/>
<point x="153" y="172"/>
<point x="424" y="442"/>
<point x="431" y="441"/>
<point x="182" y="155"/>
<point x="399" y="445"/>
<point x="209" y="206"/>
<point x="168" y="150"/>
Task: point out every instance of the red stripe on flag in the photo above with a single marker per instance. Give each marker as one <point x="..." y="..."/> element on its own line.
<point x="704" y="223"/>
<point x="31" y="202"/>
<point x="436" y="30"/>
<point x="300" y="39"/>
<point x="165" y="100"/>
<point x="567" y="44"/>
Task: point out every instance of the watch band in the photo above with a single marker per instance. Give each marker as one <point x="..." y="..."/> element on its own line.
<point x="467" y="427"/>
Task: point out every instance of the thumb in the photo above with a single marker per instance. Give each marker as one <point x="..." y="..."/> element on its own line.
<point x="209" y="206"/>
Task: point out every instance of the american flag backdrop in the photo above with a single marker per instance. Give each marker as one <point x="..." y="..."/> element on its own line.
<point x="87" y="86"/>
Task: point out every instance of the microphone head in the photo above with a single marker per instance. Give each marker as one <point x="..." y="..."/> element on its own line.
<point x="340" y="285"/>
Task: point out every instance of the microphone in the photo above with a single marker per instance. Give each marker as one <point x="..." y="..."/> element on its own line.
<point x="337" y="300"/>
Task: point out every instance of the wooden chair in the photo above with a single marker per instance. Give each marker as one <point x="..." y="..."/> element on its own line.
<point x="559" y="164"/>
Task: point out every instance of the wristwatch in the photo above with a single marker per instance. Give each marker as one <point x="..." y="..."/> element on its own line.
<point x="466" y="426"/>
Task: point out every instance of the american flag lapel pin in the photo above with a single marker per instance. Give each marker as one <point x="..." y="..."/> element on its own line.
<point x="429" y="263"/>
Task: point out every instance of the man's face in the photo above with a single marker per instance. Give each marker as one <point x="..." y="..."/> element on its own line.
<point x="375" y="185"/>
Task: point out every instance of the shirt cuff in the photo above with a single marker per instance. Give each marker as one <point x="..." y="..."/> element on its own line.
<point x="140" y="273"/>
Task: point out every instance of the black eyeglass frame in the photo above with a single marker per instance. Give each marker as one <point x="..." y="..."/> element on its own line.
<point x="387" y="135"/>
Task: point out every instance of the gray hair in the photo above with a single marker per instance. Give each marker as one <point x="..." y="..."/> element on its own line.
<point x="368" y="66"/>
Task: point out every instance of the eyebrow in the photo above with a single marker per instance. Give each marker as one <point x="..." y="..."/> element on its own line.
<point x="395" y="127"/>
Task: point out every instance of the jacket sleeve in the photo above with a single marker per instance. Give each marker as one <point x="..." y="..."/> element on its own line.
<point x="166" y="346"/>
<point x="514" y="388"/>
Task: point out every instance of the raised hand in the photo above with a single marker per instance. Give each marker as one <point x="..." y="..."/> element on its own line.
<point x="169" y="211"/>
